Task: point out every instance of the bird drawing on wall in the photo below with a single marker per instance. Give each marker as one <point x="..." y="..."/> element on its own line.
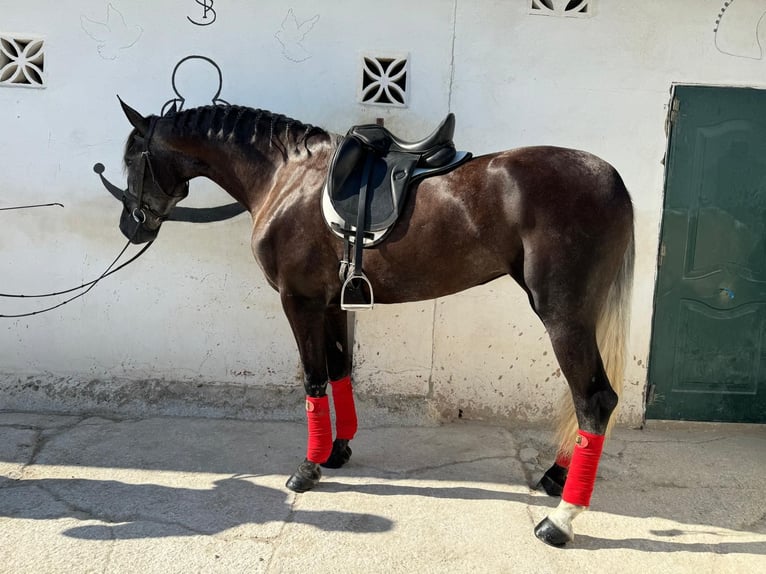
<point x="292" y="34"/>
<point x="738" y="28"/>
<point x="112" y="36"/>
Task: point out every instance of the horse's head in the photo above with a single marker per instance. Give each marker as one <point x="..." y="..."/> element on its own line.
<point x="157" y="179"/>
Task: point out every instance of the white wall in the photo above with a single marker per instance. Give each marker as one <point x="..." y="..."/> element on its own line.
<point x="196" y="309"/>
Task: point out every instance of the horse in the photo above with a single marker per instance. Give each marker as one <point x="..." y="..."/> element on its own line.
<point x="559" y="221"/>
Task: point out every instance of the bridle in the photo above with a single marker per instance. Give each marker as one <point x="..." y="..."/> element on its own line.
<point x="138" y="213"/>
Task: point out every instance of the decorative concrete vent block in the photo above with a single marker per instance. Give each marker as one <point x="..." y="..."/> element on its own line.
<point x="564" y="8"/>
<point x="22" y="61"/>
<point x="384" y="79"/>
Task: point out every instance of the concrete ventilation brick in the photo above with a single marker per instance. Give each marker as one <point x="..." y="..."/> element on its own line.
<point x="563" y="8"/>
<point x="22" y="61"/>
<point x="384" y="79"/>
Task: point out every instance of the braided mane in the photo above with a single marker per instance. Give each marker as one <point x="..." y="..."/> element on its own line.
<point x="245" y="126"/>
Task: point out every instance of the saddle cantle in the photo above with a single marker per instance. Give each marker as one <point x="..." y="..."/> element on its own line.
<point x="367" y="183"/>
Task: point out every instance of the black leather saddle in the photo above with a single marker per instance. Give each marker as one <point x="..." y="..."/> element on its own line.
<point x="370" y="175"/>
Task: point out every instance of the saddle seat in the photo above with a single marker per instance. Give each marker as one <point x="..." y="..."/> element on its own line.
<point x="367" y="183"/>
<point x="434" y="150"/>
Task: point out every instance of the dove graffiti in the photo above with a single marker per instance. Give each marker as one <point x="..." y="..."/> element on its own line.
<point x="112" y="36"/>
<point x="291" y="36"/>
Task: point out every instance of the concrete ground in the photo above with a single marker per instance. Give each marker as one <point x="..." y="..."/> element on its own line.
<point x="88" y="494"/>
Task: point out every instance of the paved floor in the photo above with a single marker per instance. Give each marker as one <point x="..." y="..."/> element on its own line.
<point x="166" y="495"/>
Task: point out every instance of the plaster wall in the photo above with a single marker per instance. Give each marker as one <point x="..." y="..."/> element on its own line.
<point x="195" y="309"/>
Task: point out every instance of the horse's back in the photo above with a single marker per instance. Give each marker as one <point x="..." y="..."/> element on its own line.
<point x="559" y="172"/>
<point x="498" y="214"/>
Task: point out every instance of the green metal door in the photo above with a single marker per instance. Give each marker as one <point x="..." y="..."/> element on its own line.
<point x="708" y="352"/>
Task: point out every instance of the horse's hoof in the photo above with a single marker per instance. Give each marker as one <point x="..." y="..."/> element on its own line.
<point x="551" y="534"/>
<point x="340" y="454"/>
<point x="553" y="480"/>
<point x="305" y="477"/>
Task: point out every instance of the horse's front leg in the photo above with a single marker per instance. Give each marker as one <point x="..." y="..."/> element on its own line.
<point x="339" y="371"/>
<point x="306" y="317"/>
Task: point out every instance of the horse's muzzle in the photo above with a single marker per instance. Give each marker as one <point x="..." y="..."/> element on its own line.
<point x="135" y="229"/>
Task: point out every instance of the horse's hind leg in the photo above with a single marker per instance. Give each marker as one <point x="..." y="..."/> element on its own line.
<point x="594" y="401"/>
<point x="339" y="372"/>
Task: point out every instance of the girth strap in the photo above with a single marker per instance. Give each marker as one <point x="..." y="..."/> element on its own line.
<point x="361" y="216"/>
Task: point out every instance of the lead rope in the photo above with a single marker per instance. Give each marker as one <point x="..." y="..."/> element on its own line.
<point x="90" y="284"/>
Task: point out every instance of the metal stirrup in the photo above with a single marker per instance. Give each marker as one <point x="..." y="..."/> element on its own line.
<point x="348" y="284"/>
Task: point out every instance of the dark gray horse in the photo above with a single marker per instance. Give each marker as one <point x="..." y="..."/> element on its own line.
<point x="559" y="221"/>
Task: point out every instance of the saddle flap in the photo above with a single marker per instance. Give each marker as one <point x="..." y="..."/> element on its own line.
<point x="386" y="183"/>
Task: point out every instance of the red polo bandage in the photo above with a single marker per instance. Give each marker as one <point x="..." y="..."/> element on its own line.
<point x="345" y="411"/>
<point x="582" y="469"/>
<point x="320" y="429"/>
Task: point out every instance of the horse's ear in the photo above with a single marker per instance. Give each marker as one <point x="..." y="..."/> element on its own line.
<point x="137" y="120"/>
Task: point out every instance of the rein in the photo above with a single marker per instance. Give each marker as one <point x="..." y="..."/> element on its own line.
<point x="32" y="206"/>
<point x="90" y="285"/>
<point x="138" y="214"/>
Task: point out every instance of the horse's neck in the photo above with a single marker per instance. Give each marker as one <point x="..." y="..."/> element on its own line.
<point x="249" y="172"/>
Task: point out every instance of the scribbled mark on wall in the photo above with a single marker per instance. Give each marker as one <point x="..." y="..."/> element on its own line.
<point x="113" y="35"/>
<point x="738" y="26"/>
<point x="22" y="61"/>
<point x="291" y="36"/>
<point x="208" y="14"/>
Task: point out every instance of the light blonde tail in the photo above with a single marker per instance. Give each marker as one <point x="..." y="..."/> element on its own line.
<point x="612" y="338"/>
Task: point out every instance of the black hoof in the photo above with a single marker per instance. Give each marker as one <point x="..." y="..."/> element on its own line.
<point x="305" y="477"/>
<point x="553" y="480"/>
<point x="551" y="534"/>
<point x="340" y="454"/>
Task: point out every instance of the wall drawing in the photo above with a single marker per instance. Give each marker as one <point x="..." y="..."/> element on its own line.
<point x="738" y="26"/>
<point x="208" y="14"/>
<point x="291" y="36"/>
<point x="180" y="100"/>
<point x="113" y="35"/>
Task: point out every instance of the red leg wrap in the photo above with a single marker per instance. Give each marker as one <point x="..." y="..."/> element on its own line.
<point x="320" y="429"/>
<point x="582" y="469"/>
<point x="345" y="411"/>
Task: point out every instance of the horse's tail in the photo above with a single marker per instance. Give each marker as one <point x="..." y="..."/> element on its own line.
<point x="612" y="338"/>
